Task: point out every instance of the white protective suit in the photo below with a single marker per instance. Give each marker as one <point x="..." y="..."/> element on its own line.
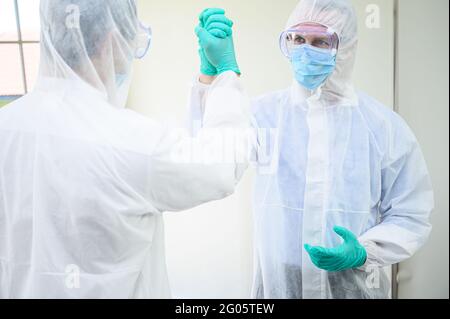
<point x="84" y="181"/>
<point x="339" y="158"/>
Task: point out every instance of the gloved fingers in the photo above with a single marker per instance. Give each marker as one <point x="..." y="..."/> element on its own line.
<point x="209" y="12"/>
<point x="329" y="255"/>
<point x="218" y="18"/>
<point x="314" y="251"/>
<point x="203" y="35"/>
<point x="321" y="252"/>
<point x="323" y="258"/>
<point x="219" y="30"/>
<point x="201" y="32"/>
<point x="307" y="248"/>
<point x="346" y="235"/>
<point x="218" y="33"/>
<point x="198" y="30"/>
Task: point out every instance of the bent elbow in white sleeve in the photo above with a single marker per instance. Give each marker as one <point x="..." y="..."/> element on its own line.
<point x="228" y="178"/>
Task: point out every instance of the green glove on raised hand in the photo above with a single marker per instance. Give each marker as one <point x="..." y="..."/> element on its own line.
<point x="216" y="43"/>
<point x="205" y="66"/>
<point x="350" y="254"/>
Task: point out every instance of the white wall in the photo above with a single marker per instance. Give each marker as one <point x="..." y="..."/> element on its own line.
<point x="424" y="103"/>
<point x="374" y="72"/>
<point x="209" y="252"/>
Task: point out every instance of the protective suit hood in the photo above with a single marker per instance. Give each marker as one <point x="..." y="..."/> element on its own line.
<point x="340" y="16"/>
<point x="90" y="42"/>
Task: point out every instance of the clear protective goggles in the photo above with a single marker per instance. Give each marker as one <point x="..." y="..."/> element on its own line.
<point x="315" y="35"/>
<point x="143" y="41"/>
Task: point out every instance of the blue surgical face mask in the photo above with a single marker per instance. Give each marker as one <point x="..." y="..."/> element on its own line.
<point x="312" y="66"/>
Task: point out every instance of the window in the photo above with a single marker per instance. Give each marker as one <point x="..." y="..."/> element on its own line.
<point x="19" y="47"/>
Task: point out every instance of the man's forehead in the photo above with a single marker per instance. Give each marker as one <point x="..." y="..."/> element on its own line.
<point x="311" y="27"/>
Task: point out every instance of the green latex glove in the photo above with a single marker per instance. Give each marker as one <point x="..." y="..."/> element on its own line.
<point x="350" y="254"/>
<point x="216" y="43"/>
<point x="205" y="66"/>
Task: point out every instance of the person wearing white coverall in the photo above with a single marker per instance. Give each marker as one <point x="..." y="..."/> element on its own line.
<point x="84" y="181"/>
<point x="339" y="163"/>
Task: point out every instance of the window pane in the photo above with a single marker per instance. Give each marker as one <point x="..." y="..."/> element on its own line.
<point x="11" y="79"/>
<point x="8" y="25"/>
<point x="6" y="99"/>
<point x="31" y="55"/>
<point x="29" y="19"/>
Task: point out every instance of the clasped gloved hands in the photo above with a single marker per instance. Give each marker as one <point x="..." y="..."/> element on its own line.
<point x="215" y="36"/>
<point x="350" y="254"/>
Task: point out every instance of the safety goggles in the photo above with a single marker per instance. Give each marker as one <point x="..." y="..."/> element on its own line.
<point x="143" y="41"/>
<point x="314" y="35"/>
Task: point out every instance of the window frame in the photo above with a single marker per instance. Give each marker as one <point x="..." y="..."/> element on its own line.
<point x="20" y="42"/>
